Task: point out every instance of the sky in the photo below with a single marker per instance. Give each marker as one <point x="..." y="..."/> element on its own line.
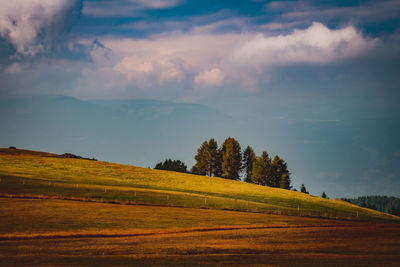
<point x="317" y="82"/>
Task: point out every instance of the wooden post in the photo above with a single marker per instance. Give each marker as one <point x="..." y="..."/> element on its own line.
<point x="105" y="190"/>
<point x="205" y="200"/>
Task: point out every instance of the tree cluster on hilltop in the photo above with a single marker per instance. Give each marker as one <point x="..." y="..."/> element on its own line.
<point x="381" y="203"/>
<point x="171" y="165"/>
<point x="229" y="162"/>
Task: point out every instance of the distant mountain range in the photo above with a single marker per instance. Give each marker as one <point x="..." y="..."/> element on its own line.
<point x="107" y="129"/>
<point x="381" y="203"/>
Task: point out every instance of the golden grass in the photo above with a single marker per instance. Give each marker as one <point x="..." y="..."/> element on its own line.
<point x="189" y="190"/>
<point x="51" y="217"/>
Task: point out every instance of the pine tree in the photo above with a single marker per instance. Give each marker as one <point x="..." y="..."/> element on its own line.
<point x="171" y="165"/>
<point x="249" y="158"/>
<point x="285" y="182"/>
<point x="202" y="160"/>
<point x="278" y="169"/>
<point x="324" y="195"/>
<point x="303" y="189"/>
<point x="231" y="159"/>
<point x="208" y="159"/>
<point x="214" y="157"/>
<point x="261" y="169"/>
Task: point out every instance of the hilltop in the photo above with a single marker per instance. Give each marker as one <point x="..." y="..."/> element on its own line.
<point x="71" y="211"/>
<point x="43" y="174"/>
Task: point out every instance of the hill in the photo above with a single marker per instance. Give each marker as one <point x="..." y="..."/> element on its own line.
<point x="40" y="176"/>
<point x="70" y="211"/>
<point x="381" y="203"/>
<point x="118" y="130"/>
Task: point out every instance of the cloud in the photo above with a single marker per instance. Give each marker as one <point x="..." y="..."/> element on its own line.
<point x="125" y="8"/>
<point x="372" y="11"/>
<point x="144" y="71"/>
<point x="183" y="64"/>
<point x="212" y="78"/>
<point x="31" y="25"/>
<point x="314" y="45"/>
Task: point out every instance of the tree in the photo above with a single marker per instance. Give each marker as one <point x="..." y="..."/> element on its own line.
<point x="231" y="159"/>
<point x="171" y="165"/>
<point x="278" y="170"/>
<point x="208" y="159"/>
<point x="303" y="189"/>
<point x="261" y="169"/>
<point x="324" y="195"/>
<point x="249" y="158"/>
<point x="202" y="160"/>
<point x="285" y="182"/>
<point x="214" y="157"/>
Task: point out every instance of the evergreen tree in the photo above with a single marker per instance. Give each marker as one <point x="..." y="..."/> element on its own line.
<point x="278" y="170"/>
<point x="231" y="159"/>
<point x="303" y="189"/>
<point x="214" y="159"/>
<point x="285" y="182"/>
<point x="172" y="165"/>
<point x="208" y="159"/>
<point x="202" y="160"/>
<point x="261" y="169"/>
<point x="324" y="195"/>
<point x="249" y="158"/>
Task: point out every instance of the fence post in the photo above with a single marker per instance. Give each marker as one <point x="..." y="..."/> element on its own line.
<point x="205" y="200"/>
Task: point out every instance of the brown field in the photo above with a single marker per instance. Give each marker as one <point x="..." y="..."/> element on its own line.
<point x="60" y="232"/>
<point x="58" y="211"/>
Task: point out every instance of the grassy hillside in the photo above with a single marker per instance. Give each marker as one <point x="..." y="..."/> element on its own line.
<point x="44" y="176"/>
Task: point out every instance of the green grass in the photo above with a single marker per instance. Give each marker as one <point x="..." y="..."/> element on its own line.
<point x="109" y="182"/>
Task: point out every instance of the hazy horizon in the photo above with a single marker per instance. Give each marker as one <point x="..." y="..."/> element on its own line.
<point x="316" y="83"/>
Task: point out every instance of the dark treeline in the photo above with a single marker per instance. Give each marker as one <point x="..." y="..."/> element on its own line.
<point x="171" y="165"/>
<point x="228" y="161"/>
<point x="380" y="203"/>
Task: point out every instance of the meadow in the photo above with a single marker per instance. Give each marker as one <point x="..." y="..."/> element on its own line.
<point x="41" y="176"/>
<point x="60" y="211"/>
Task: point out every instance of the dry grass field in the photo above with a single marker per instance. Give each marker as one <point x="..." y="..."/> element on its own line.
<point x="62" y="232"/>
<point x="65" y="212"/>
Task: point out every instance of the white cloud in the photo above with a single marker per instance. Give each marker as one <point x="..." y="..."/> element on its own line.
<point x="213" y="78"/>
<point x="316" y="44"/>
<point x="170" y="59"/>
<point x="29" y="25"/>
<point x="196" y="64"/>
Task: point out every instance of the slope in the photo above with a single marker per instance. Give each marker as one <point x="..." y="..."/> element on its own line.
<point x="53" y="177"/>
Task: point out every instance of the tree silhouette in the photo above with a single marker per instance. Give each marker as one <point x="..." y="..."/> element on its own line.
<point x="249" y="158"/>
<point x="303" y="189"/>
<point x="261" y="169"/>
<point x="171" y="165"/>
<point x="231" y="159"/>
